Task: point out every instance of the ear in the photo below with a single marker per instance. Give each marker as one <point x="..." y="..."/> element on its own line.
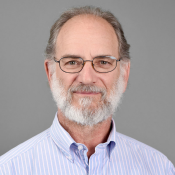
<point x="48" y="71"/>
<point x="126" y="68"/>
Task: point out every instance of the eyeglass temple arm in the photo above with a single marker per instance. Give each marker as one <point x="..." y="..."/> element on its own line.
<point x="56" y="60"/>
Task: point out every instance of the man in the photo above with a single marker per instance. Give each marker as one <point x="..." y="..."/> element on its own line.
<point x="87" y="65"/>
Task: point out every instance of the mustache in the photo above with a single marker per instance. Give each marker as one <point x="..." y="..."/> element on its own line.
<point x="87" y="88"/>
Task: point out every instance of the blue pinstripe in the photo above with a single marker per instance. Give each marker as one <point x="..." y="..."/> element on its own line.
<point x="54" y="152"/>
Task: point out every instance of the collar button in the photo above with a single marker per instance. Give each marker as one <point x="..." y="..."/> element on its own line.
<point x="80" y="147"/>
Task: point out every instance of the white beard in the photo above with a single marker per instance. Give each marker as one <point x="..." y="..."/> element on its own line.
<point x="86" y="114"/>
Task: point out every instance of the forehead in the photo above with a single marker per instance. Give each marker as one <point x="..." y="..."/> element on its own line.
<point x="87" y="34"/>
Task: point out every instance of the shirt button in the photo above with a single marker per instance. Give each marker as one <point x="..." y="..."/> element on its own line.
<point x="80" y="147"/>
<point x="69" y="157"/>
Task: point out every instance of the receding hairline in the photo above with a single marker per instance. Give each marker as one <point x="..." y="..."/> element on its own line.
<point x="85" y="17"/>
<point x="88" y="16"/>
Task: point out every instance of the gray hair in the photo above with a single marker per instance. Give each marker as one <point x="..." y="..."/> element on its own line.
<point x="88" y="10"/>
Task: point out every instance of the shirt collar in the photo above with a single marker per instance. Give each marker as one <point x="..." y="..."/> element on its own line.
<point x="112" y="139"/>
<point x="63" y="139"/>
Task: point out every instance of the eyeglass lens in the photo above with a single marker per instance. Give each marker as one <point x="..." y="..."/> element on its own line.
<point x="100" y="64"/>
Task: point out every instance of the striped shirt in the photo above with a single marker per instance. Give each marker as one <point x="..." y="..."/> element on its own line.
<point x="54" y="152"/>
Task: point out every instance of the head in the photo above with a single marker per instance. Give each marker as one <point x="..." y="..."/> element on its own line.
<point x="87" y="97"/>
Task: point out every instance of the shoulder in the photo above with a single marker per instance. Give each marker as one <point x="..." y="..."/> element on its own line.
<point x="135" y="143"/>
<point x="143" y="155"/>
<point x="137" y="146"/>
<point x="25" y="147"/>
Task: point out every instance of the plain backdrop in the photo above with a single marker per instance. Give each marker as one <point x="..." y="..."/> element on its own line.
<point x="147" y="112"/>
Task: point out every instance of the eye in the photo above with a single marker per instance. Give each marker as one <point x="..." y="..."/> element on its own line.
<point x="104" y="62"/>
<point x="71" y="62"/>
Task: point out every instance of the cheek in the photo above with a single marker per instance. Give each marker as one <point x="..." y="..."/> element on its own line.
<point x="110" y="79"/>
<point x="66" y="79"/>
<point x="110" y="83"/>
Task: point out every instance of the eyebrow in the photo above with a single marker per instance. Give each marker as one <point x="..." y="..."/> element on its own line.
<point x="77" y="56"/>
<point x="70" y="55"/>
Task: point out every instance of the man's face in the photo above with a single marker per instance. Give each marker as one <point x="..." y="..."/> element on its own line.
<point x="87" y="37"/>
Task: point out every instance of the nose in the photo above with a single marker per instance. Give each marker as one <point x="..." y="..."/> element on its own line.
<point x="87" y="75"/>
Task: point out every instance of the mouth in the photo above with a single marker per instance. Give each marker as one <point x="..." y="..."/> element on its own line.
<point x="86" y="93"/>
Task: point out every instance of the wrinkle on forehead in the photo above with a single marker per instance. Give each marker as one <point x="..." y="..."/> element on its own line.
<point x="89" y="31"/>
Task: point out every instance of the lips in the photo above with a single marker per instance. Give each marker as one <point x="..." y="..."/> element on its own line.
<point x="85" y="92"/>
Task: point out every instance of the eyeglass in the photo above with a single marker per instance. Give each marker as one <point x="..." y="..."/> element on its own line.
<point x="101" y="64"/>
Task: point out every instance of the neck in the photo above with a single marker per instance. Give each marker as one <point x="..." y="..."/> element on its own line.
<point x="90" y="136"/>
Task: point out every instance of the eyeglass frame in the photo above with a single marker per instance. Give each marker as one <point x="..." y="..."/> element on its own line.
<point x="112" y="57"/>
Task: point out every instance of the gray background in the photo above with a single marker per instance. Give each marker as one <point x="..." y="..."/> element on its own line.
<point x="148" y="109"/>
